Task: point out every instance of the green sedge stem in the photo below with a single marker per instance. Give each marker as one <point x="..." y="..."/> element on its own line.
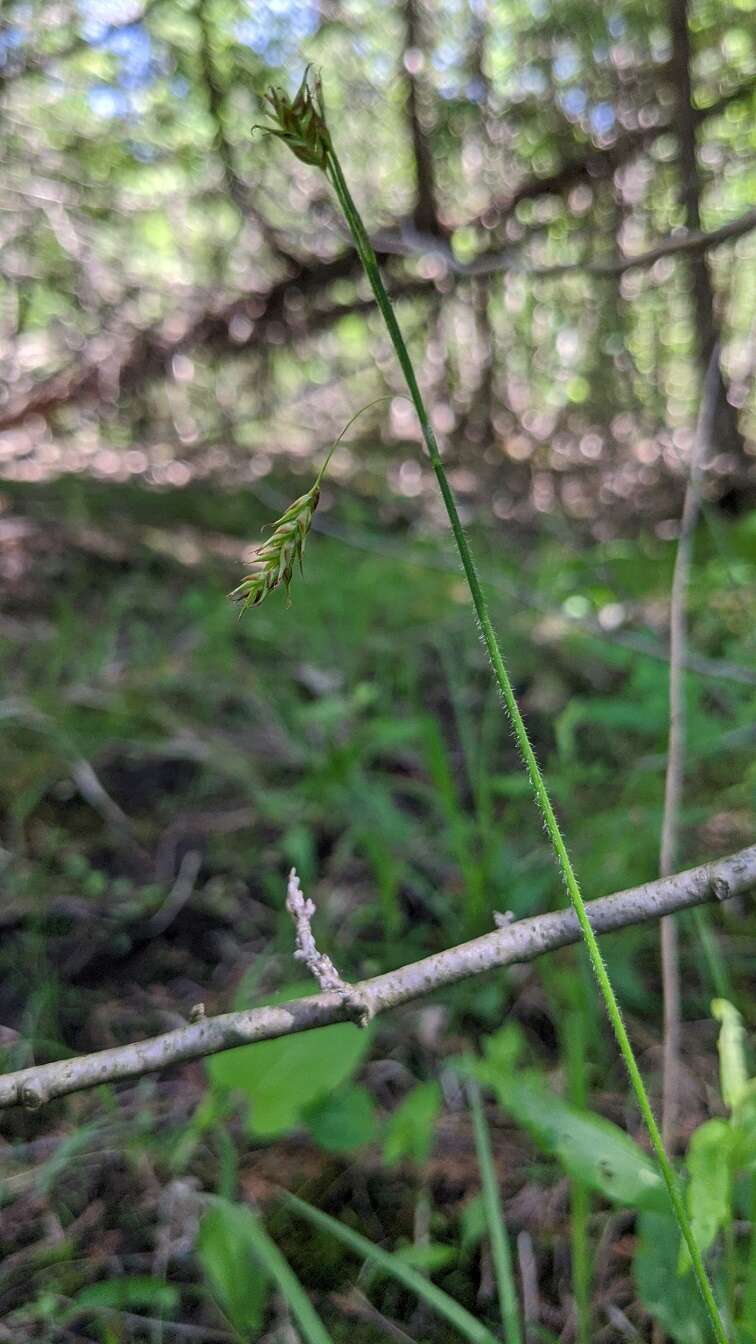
<point x="370" y="264"/>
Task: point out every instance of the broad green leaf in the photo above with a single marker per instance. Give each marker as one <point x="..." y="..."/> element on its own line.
<point x="733" y="1073"/>
<point x="124" y="1294"/>
<point x="445" y="1306"/>
<point x="671" y="1300"/>
<point x="282" y="1078"/>
<point x="503" y="1049"/>
<point x="227" y="1253"/>
<point x="590" y="1148"/>
<point x="344" y="1120"/>
<point x="410" y="1131"/>
<point x="743" y="1131"/>
<point x="709" y="1187"/>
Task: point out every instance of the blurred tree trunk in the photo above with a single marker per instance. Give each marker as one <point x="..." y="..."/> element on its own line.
<point x="425" y="213"/>
<point x="727" y="432"/>
<point x="476" y="425"/>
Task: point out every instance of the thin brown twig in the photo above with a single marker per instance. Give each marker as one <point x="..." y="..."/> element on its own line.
<point x="177" y="897"/>
<point x="673" y="784"/>
<point x="522" y="941"/>
<point x="526" y="1261"/>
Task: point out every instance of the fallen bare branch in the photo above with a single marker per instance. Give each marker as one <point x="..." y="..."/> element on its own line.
<point x="409" y="242"/>
<point x="137" y="357"/>
<point x="519" y="942"/>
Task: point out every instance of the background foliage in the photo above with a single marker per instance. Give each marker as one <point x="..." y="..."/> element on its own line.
<point x="183" y="332"/>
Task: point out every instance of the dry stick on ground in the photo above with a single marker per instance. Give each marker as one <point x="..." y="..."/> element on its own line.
<point x="520" y="942"/>
<point x="673" y="784"/>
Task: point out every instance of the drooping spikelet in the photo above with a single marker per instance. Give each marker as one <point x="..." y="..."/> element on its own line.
<point x="301" y="121"/>
<point x="274" y="561"/>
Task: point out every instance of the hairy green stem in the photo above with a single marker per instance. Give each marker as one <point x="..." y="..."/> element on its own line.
<point x="370" y="264"/>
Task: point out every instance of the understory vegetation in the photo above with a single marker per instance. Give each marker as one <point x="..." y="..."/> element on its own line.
<point x="377" y="571"/>
<point x="166" y="763"/>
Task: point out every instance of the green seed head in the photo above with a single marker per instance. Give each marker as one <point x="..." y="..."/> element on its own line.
<point x="301" y="121"/>
<point x="275" y="560"/>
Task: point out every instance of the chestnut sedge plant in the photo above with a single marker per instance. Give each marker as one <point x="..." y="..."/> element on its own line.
<point x="300" y="122"/>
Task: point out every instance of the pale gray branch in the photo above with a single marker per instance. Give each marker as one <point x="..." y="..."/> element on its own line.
<point x="673" y="783"/>
<point x="520" y="942"/>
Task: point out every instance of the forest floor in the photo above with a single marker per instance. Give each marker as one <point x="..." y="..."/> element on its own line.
<point x="165" y="763"/>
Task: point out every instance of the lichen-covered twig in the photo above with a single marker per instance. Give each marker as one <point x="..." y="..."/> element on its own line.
<point x="320" y="966"/>
<point x="522" y="941"/>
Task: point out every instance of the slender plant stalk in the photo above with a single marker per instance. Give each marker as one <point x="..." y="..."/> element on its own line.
<point x="501" y="1251"/>
<point x="579" y="1194"/>
<point x="370" y="264"/>
<point x="277" y="1268"/>
<point x="719" y="975"/>
<point x="674" y="778"/>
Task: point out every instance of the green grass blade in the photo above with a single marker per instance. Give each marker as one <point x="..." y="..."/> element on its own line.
<point x="497" y="1229"/>
<point x="288" y="1285"/>
<point x="580" y="1204"/>
<point x="712" y="955"/>
<point x="439" y="1301"/>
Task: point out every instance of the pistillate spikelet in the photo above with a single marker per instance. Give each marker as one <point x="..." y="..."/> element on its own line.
<point x="274" y="561"/>
<point x="301" y="121"/>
